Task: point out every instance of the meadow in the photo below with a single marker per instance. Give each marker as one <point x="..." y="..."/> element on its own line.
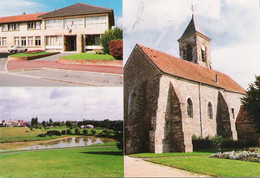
<point x="69" y="162"/>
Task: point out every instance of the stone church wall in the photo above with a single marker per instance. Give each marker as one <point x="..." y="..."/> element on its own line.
<point x="140" y="102"/>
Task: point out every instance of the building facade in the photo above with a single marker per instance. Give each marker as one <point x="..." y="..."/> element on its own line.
<point x="167" y="100"/>
<point x="74" y="28"/>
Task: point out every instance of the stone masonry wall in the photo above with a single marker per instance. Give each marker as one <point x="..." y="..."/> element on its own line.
<point x="140" y="98"/>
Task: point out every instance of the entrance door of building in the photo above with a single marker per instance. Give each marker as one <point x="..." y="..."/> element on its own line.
<point x="71" y="43"/>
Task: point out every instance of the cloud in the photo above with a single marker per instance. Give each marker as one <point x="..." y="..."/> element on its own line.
<point x="232" y="25"/>
<point x="62" y="103"/>
<point x="16" y="7"/>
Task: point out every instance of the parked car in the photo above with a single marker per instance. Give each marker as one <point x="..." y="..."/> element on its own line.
<point x="16" y="49"/>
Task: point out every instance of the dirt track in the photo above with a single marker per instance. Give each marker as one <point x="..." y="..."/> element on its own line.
<point x="136" y="167"/>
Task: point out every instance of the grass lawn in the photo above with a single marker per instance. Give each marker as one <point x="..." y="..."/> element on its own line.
<point x="199" y="162"/>
<point x="28" y="54"/>
<point x="87" y="56"/>
<point x="81" y="162"/>
<point x="212" y="166"/>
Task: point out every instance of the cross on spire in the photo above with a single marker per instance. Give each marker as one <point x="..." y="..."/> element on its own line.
<point x="192" y="8"/>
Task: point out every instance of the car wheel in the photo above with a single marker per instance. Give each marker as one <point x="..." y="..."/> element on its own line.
<point x="15" y="51"/>
<point x="25" y="50"/>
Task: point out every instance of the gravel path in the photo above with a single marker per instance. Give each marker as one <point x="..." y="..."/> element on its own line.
<point x="137" y="167"/>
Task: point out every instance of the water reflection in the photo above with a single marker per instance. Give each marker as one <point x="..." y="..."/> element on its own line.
<point x="68" y="142"/>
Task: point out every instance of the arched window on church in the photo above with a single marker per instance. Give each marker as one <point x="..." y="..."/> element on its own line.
<point x="189" y="53"/>
<point x="203" y="53"/>
<point x="210" y="111"/>
<point x="189" y="108"/>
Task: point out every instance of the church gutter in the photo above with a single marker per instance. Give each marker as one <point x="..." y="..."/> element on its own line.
<point x="201" y="133"/>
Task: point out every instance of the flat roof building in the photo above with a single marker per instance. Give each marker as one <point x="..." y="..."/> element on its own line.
<point x="73" y="28"/>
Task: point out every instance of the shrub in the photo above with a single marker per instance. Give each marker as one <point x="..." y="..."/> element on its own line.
<point x="109" y="35"/>
<point x="217" y="142"/>
<point x="85" y="131"/>
<point x="53" y="132"/>
<point x="93" y="131"/>
<point x="69" y="132"/>
<point x="63" y="132"/>
<point x="41" y="135"/>
<point x="77" y="131"/>
<point x="116" y="49"/>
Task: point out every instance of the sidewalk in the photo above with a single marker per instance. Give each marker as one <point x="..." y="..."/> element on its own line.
<point x="38" y="64"/>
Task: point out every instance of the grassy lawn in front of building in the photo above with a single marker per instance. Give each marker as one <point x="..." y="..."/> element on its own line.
<point x="199" y="162"/>
<point x="87" y="56"/>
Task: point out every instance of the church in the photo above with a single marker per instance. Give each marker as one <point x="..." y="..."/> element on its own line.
<point x="167" y="99"/>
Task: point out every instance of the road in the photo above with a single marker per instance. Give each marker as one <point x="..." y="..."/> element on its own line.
<point x="45" y="76"/>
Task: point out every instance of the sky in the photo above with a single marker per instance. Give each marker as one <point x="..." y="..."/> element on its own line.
<point x="17" y="7"/>
<point x="62" y="103"/>
<point x="232" y="25"/>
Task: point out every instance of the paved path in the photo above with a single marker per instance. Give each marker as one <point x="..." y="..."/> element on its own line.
<point x="21" y="65"/>
<point x="137" y="167"/>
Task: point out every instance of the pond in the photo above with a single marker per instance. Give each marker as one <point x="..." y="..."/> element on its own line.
<point x="65" y="142"/>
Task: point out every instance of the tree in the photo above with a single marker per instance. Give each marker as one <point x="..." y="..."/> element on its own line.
<point x="115" y="34"/>
<point x="50" y="122"/>
<point x="251" y="102"/>
<point x="44" y="124"/>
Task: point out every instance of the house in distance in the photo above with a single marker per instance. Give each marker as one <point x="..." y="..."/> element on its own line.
<point x="170" y="99"/>
<point x="74" y="28"/>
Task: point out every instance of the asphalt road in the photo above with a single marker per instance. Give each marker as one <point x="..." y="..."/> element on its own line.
<point x="56" y="77"/>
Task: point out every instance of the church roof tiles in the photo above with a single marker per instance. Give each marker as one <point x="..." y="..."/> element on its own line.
<point x="178" y="67"/>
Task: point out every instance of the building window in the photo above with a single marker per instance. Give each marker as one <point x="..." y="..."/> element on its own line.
<point x="37" y="41"/>
<point x="23" y="41"/>
<point x="34" y="25"/>
<point x="17" y="41"/>
<point x="5" y="27"/>
<point x="203" y="53"/>
<point x="92" y="40"/>
<point x="30" y="41"/>
<point x="189" y="108"/>
<point x="11" y="27"/>
<point x="73" y="23"/>
<point x="54" y="41"/>
<point x="210" y="111"/>
<point x="99" y="21"/>
<point x="233" y="113"/>
<point x="189" y="53"/>
<point x="53" y="24"/>
<point x="2" y="41"/>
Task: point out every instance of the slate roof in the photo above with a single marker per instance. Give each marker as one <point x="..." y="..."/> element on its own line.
<point x="192" y="28"/>
<point x="80" y="9"/>
<point x="184" y="69"/>
<point x="21" y="18"/>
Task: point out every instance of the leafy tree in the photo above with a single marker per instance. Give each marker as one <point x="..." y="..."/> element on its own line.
<point x="44" y="124"/>
<point x="77" y="131"/>
<point x="115" y="34"/>
<point x="94" y="131"/>
<point x="85" y="131"/>
<point x="251" y="102"/>
<point x="119" y="138"/>
<point x="50" y="122"/>
<point x="69" y="132"/>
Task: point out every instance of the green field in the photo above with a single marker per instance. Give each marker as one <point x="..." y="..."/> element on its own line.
<point x="77" y="162"/>
<point x="22" y="134"/>
<point x="87" y="56"/>
<point x="199" y="162"/>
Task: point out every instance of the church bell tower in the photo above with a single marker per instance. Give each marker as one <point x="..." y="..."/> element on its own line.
<point x="194" y="46"/>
